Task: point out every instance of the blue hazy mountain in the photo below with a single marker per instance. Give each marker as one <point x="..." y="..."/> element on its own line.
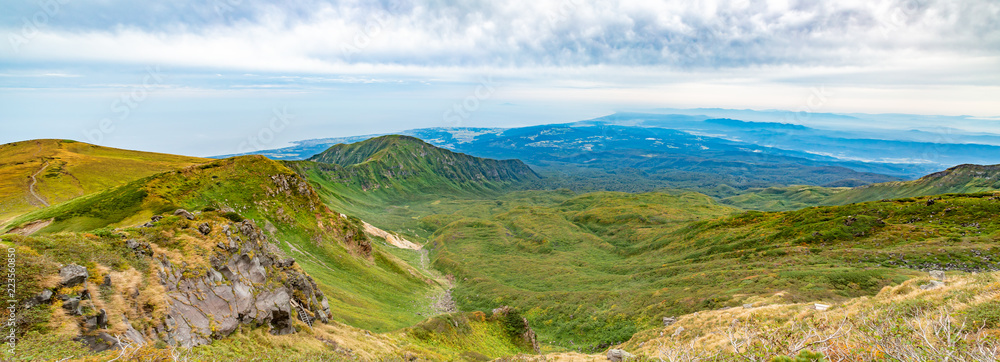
<point x="647" y="151"/>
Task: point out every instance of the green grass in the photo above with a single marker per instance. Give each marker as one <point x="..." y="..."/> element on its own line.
<point x="368" y="287"/>
<point x="594" y="269"/>
<point x="74" y="169"/>
<point x="959" y="179"/>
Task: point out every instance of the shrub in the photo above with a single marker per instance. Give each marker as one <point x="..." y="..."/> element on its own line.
<point x="804" y="356"/>
<point x="233" y="216"/>
<point x="985" y="314"/>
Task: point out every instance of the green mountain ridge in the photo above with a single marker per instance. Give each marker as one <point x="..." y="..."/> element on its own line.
<point x="385" y="161"/>
<point x="380" y="178"/>
<point x="966" y="178"/>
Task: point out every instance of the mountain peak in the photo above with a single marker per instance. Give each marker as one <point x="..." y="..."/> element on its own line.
<point x="385" y="161"/>
<point x="964" y="169"/>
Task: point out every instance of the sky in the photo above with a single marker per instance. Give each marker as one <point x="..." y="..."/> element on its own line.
<point x="228" y="76"/>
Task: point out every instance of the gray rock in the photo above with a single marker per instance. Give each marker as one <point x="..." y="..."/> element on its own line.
<point x="934" y="284"/>
<point x="131" y="334"/>
<point x="748" y="306"/>
<point x="107" y="281"/>
<point x="72" y="275"/>
<point x="42" y="298"/>
<point x="73" y="306"/>
<point x="285" y="263"/>
<point x="667" y="321"/>
<point x="100" y="342"/>
<point x="617" y="355"/>
<point x="937" y="274"/>
<point x="237" y="289"/>
<point x="184" y="213"/>
<point x="97" y="321"/>
<point x="156" y="218"/>
<point x="140" y="248"/>
<point x="678" y="331"/>
<point x="205" y="229"/>
<point x="102" y="319"/>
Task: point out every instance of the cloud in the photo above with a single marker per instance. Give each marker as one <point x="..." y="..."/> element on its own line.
<point x="318" y="36"/>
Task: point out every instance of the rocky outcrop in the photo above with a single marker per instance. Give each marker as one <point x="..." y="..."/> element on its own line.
<point x="246" y="284"/>
<point x="205" y="229"/>
<point x="72" y="275"/>
<point x="617" y="355"/>
<point x="184" y="213"/>
<point x="138" y="247"/>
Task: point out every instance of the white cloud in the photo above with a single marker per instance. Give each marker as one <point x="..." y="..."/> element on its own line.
<point x="669" y="34"/>
<point x="752" y="53"/>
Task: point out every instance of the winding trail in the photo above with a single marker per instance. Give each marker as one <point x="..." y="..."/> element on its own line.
<point x="34" y="180"/>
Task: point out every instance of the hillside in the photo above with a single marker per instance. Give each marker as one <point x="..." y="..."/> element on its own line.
<point x="37" y="173"/>
<point x="917" y="320"/>
<point x="958" y="179"/>
<point x="626" y="261"/>
<point x="380" y="178"/>
<point x="359" y="277"/>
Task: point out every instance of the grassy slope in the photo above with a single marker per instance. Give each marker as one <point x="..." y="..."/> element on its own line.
<point x="74" y="169"/>
<point x="958" y="179"/>
<point x="377" y="292"/>
<point x="47" y="333"/>
<point x="596" y="268"/>
<point x="772" y="328"/>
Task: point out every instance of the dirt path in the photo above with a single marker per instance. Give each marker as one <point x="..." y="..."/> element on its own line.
<point x="390" y="237"/>
<point x="34" y="180"/>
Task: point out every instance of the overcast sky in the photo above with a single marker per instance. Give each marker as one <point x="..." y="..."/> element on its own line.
<point x="204" y="77"/>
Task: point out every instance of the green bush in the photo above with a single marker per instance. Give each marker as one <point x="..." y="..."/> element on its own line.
<point x="233" y="216"/>
<point x="985" y="314"/>
<point x="804" y="356"/>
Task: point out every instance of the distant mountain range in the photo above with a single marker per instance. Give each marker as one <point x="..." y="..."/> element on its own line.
<point x="639" y="152"/>
<point x="905" y="153"/>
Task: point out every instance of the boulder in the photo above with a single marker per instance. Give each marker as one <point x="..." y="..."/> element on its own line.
<point x="934" y="284"/>
<point x="97" y="321"/>
<point x="44" y="297"/>
<point x="73" y="306"/>
<point x="937" y="274"/>
<point x="617" y="355"/>
<point x="72" y="275"/>
<point x="156" y="218"/>
<point x="107" y="281"/>
<point x="678" y="331"/>
<point x="184" y="213"/>
<point x="667" y="321"/>
<point x="205" y="229"/>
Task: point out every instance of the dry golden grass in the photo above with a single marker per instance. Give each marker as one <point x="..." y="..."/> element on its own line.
<point x="74" y="169"/>
<point x="843" y="332"/>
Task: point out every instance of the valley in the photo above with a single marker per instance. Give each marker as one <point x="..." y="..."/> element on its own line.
<point x="392" y="246"/>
